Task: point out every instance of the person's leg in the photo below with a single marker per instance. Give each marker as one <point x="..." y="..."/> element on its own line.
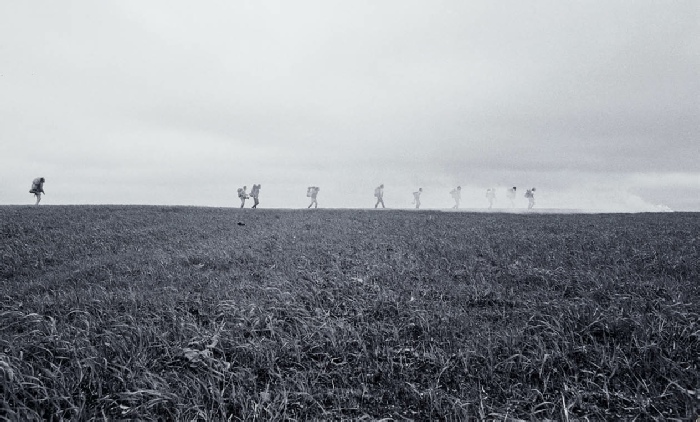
<point x="242" y="202"/>
<point x="38" y="198"/>
<point x="382" y="199"/>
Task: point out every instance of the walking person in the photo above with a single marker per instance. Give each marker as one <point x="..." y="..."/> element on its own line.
<point x="457" y="196"/>
<point x="530" y="195"/>
<point x="491" y="196"/>
<point x="243" y="195"/>
<point x="312" y="192"/>
<point x="255" y="193"/>
<point x="511" y="196"/>
<point x="379" y="194"/>
<point x="416" y="197"/>
<point x="38" y="188"/>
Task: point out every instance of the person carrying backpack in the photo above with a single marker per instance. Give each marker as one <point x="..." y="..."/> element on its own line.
<point x="457" y="196"/>
<point x="416" y="197"/>
<point x="255" y="193"/>
<point x="243" y="195"/>
<point x="530" y="195"/>
<point x="379" y="194"/>
<point x="491" y="196"/>
<point x="511" y="196"/>
<point x="38" y="188"/>
<point x="311" y="192"/>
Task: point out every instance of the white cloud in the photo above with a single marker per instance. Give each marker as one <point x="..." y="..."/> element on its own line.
<point x="176" y="94"/>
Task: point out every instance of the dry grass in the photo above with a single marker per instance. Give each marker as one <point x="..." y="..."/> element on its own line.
<point x="180" y="313"/>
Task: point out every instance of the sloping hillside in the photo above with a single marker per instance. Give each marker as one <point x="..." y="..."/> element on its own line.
<point x="207" y="313"/>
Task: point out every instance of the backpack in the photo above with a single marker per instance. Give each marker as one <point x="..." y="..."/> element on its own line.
<point x="36" y="186"/>
<point x="377" y="192"/>
<point x="309" y="191"/>
<point x="240" y="192"/>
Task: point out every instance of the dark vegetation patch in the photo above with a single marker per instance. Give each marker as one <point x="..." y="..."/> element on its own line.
<point x="180" y="313"/>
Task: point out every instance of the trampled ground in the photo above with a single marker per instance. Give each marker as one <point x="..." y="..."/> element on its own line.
<point x="202" y="313"/>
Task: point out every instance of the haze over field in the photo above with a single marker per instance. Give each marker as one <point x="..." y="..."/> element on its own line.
<point x="597" y="104"/>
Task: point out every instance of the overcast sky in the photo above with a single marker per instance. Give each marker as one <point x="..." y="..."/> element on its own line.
<point x="595" y="103"/>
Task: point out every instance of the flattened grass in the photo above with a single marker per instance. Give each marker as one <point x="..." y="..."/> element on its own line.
<point x="182" y="313"/>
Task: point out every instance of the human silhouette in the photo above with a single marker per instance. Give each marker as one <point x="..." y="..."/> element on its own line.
<point x="312" y="192"/>
<point x="416" y="197"/>
<point x="491" y="196"/>
<point x="511" y="196"/>
<point x="530" y="195"/>
<point x="379" y="194"/>
<point x="243" y="195"/>
<point x="255" y="193"/>
<point x="457" y="196"/>
<point x="38" y="188"/>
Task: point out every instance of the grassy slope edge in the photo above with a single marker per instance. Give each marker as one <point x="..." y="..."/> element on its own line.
<point x="183" y="313"/>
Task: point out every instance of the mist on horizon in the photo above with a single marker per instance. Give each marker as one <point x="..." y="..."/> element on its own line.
<point x="398" y="195"/>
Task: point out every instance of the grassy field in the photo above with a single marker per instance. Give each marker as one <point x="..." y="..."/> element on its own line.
<point x="180" y="313"/>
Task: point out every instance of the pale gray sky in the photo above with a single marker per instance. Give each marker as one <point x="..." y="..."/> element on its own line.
<point x="596" y="103"/>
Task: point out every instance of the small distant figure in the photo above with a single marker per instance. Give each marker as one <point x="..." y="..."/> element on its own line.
<point x="530" y="195"/>
<point x="255" y="193"/>
<point x="312" y="192"/>
<point x="379" y="194"/>
<point x="416" y="197"/>
<point x="511" y="196"/>
<point x="491" y="196"/>
<point x="457" y="196"/>
<point x="243" y="195"/>
<point x="38" y="188"/>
